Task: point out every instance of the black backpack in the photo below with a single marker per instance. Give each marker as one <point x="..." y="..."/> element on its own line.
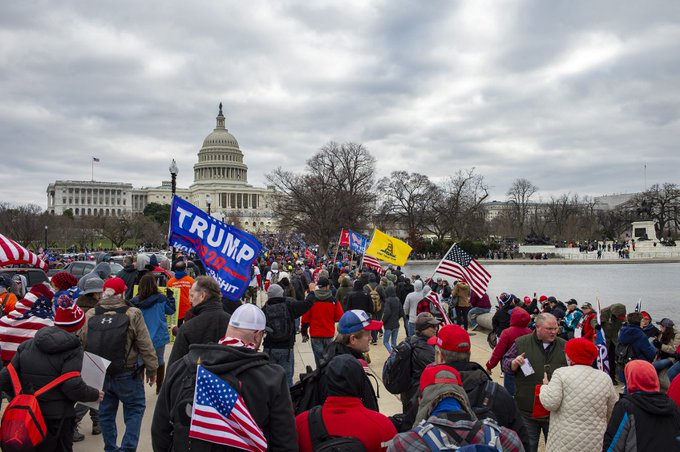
<point x="180" y="411"/>
<point x="107" y="336"/>
<point x="483" y="406"/>
<point x="322" y="441"/>
<point x="279" y="320"/>
<point x="306" y="393"/>
<point x="624" y="353"/>
<point x="396" y="372"/>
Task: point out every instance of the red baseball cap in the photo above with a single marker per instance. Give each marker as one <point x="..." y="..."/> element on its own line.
<point x="115" y="283"/>
<point x="439" y="373"/>
<point x="646" y="315"/>
<point x="451" y="337"/>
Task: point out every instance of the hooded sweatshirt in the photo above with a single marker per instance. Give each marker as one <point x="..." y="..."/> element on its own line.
<point x="320" y="319"/>
<point x="262" y="386"/>
<point x="632" y="334"/>
<point x="519" y="321"/>
<point x="412" y="299"/>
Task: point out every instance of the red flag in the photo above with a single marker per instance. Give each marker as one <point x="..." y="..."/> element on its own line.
<point x="344" y="238"/>
<point x="309" y="254"/>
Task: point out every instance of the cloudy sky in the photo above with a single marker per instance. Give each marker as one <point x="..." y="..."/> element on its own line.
<point x="576" y="96"/>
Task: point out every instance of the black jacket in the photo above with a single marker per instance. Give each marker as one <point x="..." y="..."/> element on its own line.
<point x="51" y="353"/>
<point x="358" y="299"/>
<point x="129" y="275"/>
<point x="262" y="385"/>
<point x="643" y="421"/>
<point x="296" y="309"/>
<point x="501" y="319"/>
<point x="208" y="325"/>
<point x="403" y="289"/>
<point x="422" y="355"/>
<point x="369" y="398"/>
<point x="503" y="409"/>
<point x="392" y="311"/>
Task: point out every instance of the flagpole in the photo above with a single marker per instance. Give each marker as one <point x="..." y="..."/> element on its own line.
<point x="93" y="169"/>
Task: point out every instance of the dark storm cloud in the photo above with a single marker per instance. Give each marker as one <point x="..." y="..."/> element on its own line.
<point x="574" y="96"/>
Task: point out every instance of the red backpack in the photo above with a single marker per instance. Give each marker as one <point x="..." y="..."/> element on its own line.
<point x="23" y="427"/>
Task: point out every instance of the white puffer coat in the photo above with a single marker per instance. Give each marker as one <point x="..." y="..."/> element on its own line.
<point x="580" y="400"/>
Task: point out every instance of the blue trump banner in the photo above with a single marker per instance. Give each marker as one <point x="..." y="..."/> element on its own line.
<point x="226" y="251"/>
<point x="357" y="242"/>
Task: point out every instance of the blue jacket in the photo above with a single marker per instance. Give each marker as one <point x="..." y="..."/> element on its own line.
<point x="154" y="309"/>
<point x="633" y="334"/>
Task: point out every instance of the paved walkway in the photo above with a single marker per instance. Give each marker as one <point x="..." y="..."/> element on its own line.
<point x="389" y="403"/>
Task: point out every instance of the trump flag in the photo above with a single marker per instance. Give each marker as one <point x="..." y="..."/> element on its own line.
<point x="387" y="248"/>
<point x="226" y="251"/>
<point x="357" y="242"/>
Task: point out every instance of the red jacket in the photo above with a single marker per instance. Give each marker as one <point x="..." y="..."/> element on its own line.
<point x="321" y="317"/>
<point x="588" y="331"/>
<point x="519" y="319"/>
<point x="347" y="416"/>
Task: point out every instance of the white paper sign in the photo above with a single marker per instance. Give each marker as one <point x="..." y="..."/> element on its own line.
<point x="93" y="374"/>
<point x="527" y="369"/>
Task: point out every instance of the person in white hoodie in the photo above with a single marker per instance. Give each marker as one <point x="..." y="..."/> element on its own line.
<point x="410" y="305"/>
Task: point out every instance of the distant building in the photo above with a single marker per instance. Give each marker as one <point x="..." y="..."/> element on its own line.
<point x="220" y="179"/>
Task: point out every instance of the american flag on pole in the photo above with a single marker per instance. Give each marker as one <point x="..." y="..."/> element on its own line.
<point x="434" y="300"/>
<point x="372" y="262"/>
<point x="601" y="344"/>
<point x="459" y="264"/>
<point x="11" y="253"/>
<point x="95" y="159"/>
<point x="219" y="415"/>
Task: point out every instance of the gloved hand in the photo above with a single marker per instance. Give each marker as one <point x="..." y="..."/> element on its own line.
<point x="305" y="338"/>
<point x="168" y="293"/>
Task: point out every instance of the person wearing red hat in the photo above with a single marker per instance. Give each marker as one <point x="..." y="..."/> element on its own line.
<point x="580" y="399"/>
<point x="30" y="314"/>
<point x="124" y="383"/>
<point x="644" y="418"/>
<point x="452" y="347"/>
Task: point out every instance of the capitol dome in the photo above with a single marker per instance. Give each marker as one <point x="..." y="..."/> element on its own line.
<point x="220" y="159"/>
<point x="220" y="137"/>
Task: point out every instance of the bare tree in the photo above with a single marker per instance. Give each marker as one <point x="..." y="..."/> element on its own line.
<point x="660" y="203"/>
<point x="335" y="191"/>
<point x="408" y="197"/>
<point x="519" y="194"/>
<point x="116" y="229"/>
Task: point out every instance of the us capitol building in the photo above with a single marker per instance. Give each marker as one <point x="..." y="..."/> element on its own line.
<point x="220" y="186"/>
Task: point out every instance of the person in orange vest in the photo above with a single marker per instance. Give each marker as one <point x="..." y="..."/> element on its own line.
<point x="184" y="282"/>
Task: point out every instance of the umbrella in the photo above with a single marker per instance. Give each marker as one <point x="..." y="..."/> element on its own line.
<point x="11" y="253"/>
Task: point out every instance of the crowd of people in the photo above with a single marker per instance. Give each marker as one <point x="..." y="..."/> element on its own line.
<point x="547" y="350"/>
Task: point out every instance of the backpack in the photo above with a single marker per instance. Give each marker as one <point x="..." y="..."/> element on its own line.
<point x="279" y="320"/>
<point x="181" y="409"/>
<point x="623" y="354"/>
<point x="274" y="279"/>
<point x="322" y="441"/>
<point x="484" y="403"/>
<point x="306" y="394"/>
<point x="107" y="337"/>
<point x="375" y="298"/>
<point x="396" y="372"/>
<point x="23" y="427"/>
<point x="443" y="435"/>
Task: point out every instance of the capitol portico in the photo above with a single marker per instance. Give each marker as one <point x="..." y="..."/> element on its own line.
<point x="220" y="181"/>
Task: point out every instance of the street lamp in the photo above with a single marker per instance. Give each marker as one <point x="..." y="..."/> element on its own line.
<point x="45" y="238"/>
<point x="174" y="171"/>
<point x="207" y="200"/>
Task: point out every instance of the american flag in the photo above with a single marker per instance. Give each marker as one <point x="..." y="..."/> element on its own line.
<point x="372" y="262"/>
<point x="95" y="159"/>
<point x="459" y="264"/>
<point x="219" y="415"/>
<point x="434" y="299"/>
